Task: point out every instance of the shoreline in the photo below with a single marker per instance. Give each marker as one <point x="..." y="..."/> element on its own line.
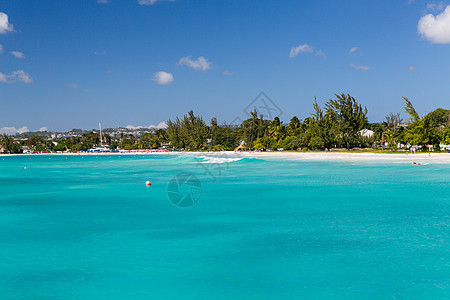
<point x="318" y="156"/>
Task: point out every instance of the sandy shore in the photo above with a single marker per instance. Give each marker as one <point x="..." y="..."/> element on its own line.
<point x="321" y="156"/>
<point x="318" y="156"/>
<point x="422" y="157"/>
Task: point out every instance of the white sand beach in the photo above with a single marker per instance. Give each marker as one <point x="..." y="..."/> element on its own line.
<point x="339" y="156"/>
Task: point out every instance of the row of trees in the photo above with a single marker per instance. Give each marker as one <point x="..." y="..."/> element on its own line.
<point x="9" y="145"/>
<point x="337" y="124"/>
<point x="340" y="123"/>
<point x="432" y="129"/>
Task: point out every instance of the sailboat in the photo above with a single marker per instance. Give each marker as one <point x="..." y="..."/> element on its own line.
<point x="101" y="148"/>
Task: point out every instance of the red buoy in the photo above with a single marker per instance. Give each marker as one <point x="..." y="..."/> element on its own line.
<point x="148" y="183"/>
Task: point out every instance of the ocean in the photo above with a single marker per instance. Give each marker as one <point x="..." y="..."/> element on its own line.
<point x="222" y="227"/>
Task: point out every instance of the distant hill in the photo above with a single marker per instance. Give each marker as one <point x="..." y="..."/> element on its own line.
<point x="113" y="132"/>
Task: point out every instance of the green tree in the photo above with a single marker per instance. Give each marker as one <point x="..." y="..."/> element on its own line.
<point x="10" y="145"/>
<point x="295" y="127"/>
<point x="446" y="136"/>
<point x="147" y="141"/>
<point x="347" y="118"/>
<point x="227" y="137"/>
<point x="266" y="142"/>
<point x="128" y="143"/>
<point x="296" y="142"/>
<point x="160" y="137"/>
<point x="191" y="132"/>
<point x="277" y="130"/>
<point x="378" y="130"/>
<point x="318" y="126"/>
<point x="253" y="128"/>
<point x="175" y="134"/>
<point x="214" y="131"/>
<point x="427" y="130"/>
<point x="391" y="128"/>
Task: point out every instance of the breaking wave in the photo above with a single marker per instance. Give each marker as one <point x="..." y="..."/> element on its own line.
<point x="218" y="159"/>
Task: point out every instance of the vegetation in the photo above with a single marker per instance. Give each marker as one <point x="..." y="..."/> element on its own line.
<point x="341" y="123"/>
<point x="8" y="145"/>
<point x="426" y="131"/>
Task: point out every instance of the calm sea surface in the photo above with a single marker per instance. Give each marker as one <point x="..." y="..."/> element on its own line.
<point x="87" y="227"/>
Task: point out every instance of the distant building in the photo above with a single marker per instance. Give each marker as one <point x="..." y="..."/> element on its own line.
<point x="444" y="147"/>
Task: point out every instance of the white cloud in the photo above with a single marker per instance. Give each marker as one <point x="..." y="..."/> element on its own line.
<point x="23" y="129"/>
<point x="131" y="127"/>
<point x="22" y="76"/>
<point x="412" y="69"/>
<point x="1" y="49"/>
<point x="161" y="125"/>
<point x="103" y="1"/>
<point x="18" y="54"/>
<point x="147" y="2"/>
<point x="43" y="129"/>
<point x="305" y="48"/>
<point x="163" y="78"/>
<point x="16" y="76"/>
<point x="72" y="85"/>
<point x="151" y="2"/>
<point x="320" y="53"/>
<point x="13" y="130"/>
<point x="354" y="49"/>
<point x="360" y="68"/>
<point x="5" y="26"/>
<point x="228" y="73"/>
<point x="435" y="7"/>
<point x="436" y="29"/>
<point x="201" y="64"/>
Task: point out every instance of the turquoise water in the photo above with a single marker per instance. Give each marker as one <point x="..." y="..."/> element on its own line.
<point x="74" y="227"/>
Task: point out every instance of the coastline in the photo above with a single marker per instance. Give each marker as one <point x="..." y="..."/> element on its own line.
<point x="318" y="156"/>
<point x="333" y="156"/>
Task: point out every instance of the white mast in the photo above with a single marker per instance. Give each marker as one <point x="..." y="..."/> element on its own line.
<point x="101" y="136"/>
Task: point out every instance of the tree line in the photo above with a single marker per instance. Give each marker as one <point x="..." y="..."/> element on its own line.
<point x="340" y="123"/>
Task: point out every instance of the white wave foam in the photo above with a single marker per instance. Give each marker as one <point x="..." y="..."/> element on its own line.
<point x="218" y="159"/>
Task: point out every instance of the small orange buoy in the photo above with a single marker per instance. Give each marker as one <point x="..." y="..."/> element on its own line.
<point x="148" y="183"/>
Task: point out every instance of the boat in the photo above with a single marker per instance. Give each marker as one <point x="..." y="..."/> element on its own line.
<point x="101" y="148"/>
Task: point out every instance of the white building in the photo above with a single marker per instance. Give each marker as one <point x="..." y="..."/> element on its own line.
<point x="444" y="147"/>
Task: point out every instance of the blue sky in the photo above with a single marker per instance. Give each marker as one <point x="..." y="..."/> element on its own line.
<point x="70" y="64"/>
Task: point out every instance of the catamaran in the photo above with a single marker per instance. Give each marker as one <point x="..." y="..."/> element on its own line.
<point x="101" y="148"/>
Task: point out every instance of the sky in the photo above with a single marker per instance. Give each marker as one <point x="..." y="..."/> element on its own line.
<point x="71" y="64"/>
